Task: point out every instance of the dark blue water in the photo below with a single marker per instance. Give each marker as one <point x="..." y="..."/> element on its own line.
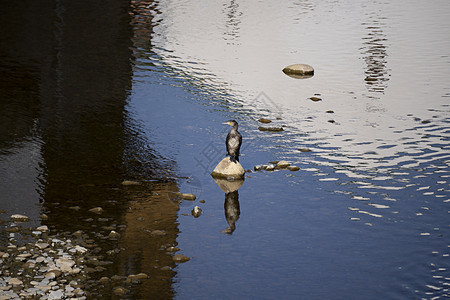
<point x="365" y="217"/>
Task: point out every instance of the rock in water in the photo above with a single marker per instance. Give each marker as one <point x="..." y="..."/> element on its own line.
<point x="228" y="169"/>
<point x="19" y="218"/>
<point x="300" y="71"/>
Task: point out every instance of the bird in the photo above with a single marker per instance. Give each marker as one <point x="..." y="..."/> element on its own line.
<point x="233" y="141"/>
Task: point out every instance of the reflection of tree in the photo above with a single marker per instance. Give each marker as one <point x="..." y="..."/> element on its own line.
<point x="65" y="78"/>
<point x="375" y="53"/>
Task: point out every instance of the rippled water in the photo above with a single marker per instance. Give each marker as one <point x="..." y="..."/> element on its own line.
<point x="367" y="214"/>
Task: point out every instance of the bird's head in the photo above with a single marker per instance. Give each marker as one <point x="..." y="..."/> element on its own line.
<point x="231" y="123"/>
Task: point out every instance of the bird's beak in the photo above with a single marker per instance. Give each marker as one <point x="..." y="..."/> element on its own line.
<point x="226" y="123"/>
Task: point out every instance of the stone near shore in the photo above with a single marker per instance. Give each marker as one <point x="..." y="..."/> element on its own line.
<point x="186" y="196"/>
<point x="228" y="170"/>
<point x="299" y="71"/>
<point x="179" y="258"/>
<point x="19" y="218"/>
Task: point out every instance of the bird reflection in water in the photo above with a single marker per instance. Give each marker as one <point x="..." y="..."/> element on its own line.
<point x="231" y="205"/>
<point x="232" y="210"/>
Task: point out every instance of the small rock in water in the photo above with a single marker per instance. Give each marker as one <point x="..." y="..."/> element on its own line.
<point x="299" y="71"/>
<point x="187" y="196"/>
<point x="269" y="167"/>
<point x="293" y="168"/>
<point x="262" y="120"/>
<point x="96" y="210"/>
<point x="44" y="217"/>
<point x="179" y="258"/>
<point x="42" y="228"/>
<point x="157" y="232"/>
<point x="272" y="129"/>
<point x="304" y="150"/>
<point x="19" y="218"/>
<point x="138" y="276"/>
<point x="283" y="164"/>
<point x="228" y="169"/>
<point x="119" y="291"/>
<point x="130" y="182"/>
<point x="114" y="235"/>
<point x="315" y="99"/>
<point x="196" y="212"/>
<point x="257" y="167"/>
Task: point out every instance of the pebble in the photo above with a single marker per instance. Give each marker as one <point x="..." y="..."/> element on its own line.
<point x="19" y="218"/>
<point x="283" y="164"/>
<point x="113" y="235"/>
<point x="187" y="196"/>
<point x="42" y="245"/>
<point x="15" y="281"/>
<point x="96" y="210"/>
<point x="43" y="228"/>
<point x="130" y="182"/>
<point x="293" y="168"/>
<point x="304" y="150"/>
<point x="196" y="212"/>
<point x="257" y="167"/>
<point x="269" y="167"/>
<point x="179" y="258"/>
<point x="271" y="129"/>
<point x="299" y="71"/>
<point x="262" y="120"/>
<point x="315" y="99"/>
<point x="119" y="291"/>
<point x="158" y="232"/>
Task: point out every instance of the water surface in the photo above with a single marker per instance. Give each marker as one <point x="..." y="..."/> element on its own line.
<point x="142" y="97"/>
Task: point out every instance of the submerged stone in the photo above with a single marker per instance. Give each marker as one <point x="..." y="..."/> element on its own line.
<point x="19" y="218"/>
<point x="130" y="182"/>
<point x="263" y="120"/>
<point x="179" y="258"/>
<point x="187" y="196"/>
<point x="272" y="129"/>
<point x="228" y="169"/>
<point x="96" y="210"/>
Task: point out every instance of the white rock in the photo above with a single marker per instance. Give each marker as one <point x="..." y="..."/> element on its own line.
<point x="65" y="264"/>
<point x="15" y="281"/>
<point x="228" y="169"/>
<point x="80" y="249"/>
<point x="42" y="228"/>
<point x="283" y="164"/>
<point x="19" y="218"/>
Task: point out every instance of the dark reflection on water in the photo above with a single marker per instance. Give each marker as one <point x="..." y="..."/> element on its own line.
<point x="375" y="54"/>
<point x="65" y="80"/>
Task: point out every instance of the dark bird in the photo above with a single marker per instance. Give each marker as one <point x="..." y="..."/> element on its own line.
<point x="233" y="141"/>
